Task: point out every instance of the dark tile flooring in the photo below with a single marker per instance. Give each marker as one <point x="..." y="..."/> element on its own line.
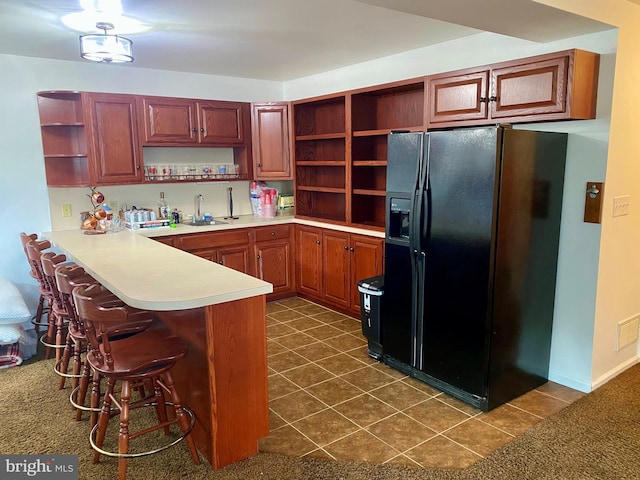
<point x="328" y="399"/>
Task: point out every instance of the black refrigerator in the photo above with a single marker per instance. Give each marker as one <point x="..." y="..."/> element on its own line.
<point x="471" y="250"/>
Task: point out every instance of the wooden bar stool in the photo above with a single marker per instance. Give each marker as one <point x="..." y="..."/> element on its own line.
<point x="146" y="357"/>
<point x="59" y="318"/>
<point x="68" y="278"/>
<point x="35" y="249"/>
<point x="42" y="307"/>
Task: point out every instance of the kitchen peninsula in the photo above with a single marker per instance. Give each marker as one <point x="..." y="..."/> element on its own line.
<point x="221" y="314"/>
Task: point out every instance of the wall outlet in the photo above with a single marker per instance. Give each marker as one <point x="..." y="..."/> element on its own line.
<point x="66" y="210"/>
<point x="113" y="205"/>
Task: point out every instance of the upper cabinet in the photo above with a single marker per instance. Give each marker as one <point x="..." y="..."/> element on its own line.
<point x="89" y="139"/>
<point x="270" y="139"/>
<point x="116" y="152"/>
<point x="558" y="86"/>
<point x="181" y="121"/>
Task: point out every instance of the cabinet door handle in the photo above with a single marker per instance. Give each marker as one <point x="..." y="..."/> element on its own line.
<point x="493" y="98"/>
<point x="317" y="242"/>
<point x="194" y="129"/>
<point x="258" y="257"/>
<point x="352" y="249"/>
<point x="202" y="130"/>
<point x="483" y="99"/>
<point x="220" y="262"/>
<point x="273" y="234"/>
<point x="258" y="165"/>
<point x="346" y="248"/>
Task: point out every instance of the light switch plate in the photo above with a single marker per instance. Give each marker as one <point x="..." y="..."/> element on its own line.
<point x="621" y="205"/>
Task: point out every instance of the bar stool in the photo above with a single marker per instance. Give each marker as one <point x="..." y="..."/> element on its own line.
<point x="59" y="318"/>
<point x="149" y="357"/>
<point x="42" y="308"/>
<point x="35" y="249"/>
<point x="68" y="278"/>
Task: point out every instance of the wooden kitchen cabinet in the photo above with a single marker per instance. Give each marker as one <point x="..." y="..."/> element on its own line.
<point x="331" y="262"/>
<point x="182" y="121"/>
<point x="309" y="260"/>
<point x="335" y="268"/>
<point x="557" y="86"/>
<point x="89" y="139"/>
<point x="274" y="259"/>
<point x="229" y="248"/>
<point x="367" y="260"/>
<point x="320" y="155"/>
<point x="116" y="154"/>
<point x="270" y="137"/>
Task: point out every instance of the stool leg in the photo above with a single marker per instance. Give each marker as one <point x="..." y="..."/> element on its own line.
<point x="95" y="397"/>
<point x="103" y="419"/>
<point x="81" y="398"/>
<point x="183" y="419"/>
<point x="50" y="329"/>
<point x="59" y="341"/>
<point x="66" y="356"/>
<point x="39" y="312"/>
<point x="161" y="406"/>
<point x="77" y="361"/>
<point x="123" y="434"/>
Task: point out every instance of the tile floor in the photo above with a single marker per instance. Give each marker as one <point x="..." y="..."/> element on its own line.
<point x="328" y="399"/>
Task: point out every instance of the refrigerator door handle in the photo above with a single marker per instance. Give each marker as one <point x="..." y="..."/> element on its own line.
<point x="414" y="244"/>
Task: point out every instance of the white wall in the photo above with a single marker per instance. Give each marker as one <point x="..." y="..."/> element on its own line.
<point x="24" y="197"/>
<point x="573" y="335"/>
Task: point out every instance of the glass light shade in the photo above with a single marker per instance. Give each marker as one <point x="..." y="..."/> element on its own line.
<point x="106" y="48"/>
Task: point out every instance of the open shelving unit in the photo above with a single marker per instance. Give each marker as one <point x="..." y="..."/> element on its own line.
<point x="64" y="141"/>
<point x="341" y="150"/>
<point x="321" y="158"/>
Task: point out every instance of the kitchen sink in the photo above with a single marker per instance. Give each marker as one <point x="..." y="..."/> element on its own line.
<point x="205" y="223"/>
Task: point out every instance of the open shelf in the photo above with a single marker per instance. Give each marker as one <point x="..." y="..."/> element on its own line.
<point x="320" y="117"/>
<point x="384" y="109"/>
<point x="60" y="107"/>
<point x="368" y="210"/>
<point x="321" y="205"/>
<point x="67" y="171"/>
<point x="329" y="150"/>
<point x="327" y="177"/>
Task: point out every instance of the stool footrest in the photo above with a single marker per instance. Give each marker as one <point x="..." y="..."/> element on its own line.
<point x="101" y="451"/>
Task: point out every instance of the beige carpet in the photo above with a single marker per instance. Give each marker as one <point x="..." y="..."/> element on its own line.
<point x="597" y="437"/>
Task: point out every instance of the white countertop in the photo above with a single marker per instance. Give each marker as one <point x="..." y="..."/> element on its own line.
<point x="245" y="221"/>
<point x="150" y="275"/>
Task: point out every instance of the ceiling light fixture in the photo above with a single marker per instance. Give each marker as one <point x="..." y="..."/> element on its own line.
<point x="106" y="48"/>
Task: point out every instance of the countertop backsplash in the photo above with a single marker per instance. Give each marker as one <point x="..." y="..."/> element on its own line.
<point x="177" y="195"/>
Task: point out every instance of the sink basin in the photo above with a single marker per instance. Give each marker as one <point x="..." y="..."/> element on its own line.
<point x="206" y="223"/>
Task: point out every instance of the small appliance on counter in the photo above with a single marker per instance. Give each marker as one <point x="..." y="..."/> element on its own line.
<point x="285" y="204"/>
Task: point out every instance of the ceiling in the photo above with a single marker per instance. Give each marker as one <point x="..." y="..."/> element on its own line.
<point x="282" y="40"/>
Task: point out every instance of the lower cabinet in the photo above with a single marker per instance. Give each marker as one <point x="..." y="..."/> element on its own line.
<point x="330" y="263"/>
<point x="231" y="248"/>
<point x="274" y="259"/>
<point x="321" y="264"/>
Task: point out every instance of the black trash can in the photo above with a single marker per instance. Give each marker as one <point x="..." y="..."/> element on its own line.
<point x="371" y="291"/>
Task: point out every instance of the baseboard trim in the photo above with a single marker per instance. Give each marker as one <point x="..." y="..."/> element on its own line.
<point x="602" y="379"/>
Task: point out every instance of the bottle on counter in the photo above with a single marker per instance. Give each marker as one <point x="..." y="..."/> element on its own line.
<point x="164" y="211"/>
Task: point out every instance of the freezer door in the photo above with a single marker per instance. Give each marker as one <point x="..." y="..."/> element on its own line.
<point x="458" y="260"/>
<point x="404" y="159"/>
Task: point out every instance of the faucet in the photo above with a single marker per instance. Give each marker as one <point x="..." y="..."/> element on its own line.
<point x="198" y="206"/>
